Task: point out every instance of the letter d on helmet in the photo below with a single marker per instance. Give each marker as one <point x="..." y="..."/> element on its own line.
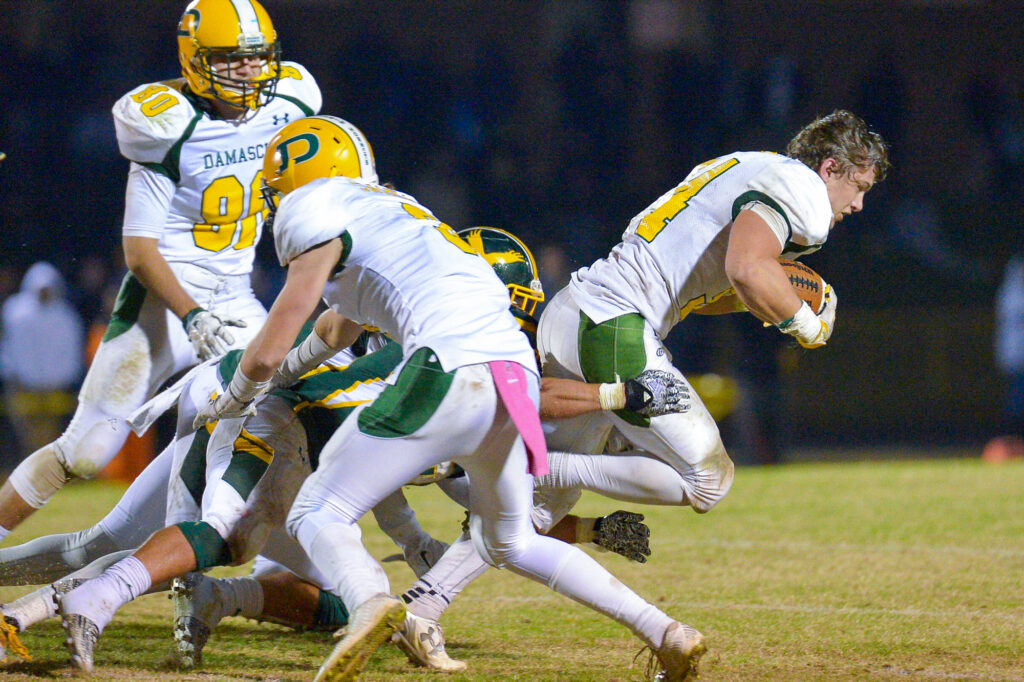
<point x="316" y="147"/>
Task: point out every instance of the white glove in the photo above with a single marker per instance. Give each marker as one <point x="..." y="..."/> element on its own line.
<point x="238" y="400"/>
<point x="828" y="312"/>
<point x="810" y="330"/>
<point x="651" y="394"/>
<point x="655" y="393"/>
<point x="208" y="332"/>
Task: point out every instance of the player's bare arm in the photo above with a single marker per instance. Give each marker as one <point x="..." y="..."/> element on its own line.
<point x="752" y="265"/>
<point x="302" y="290"/>
<point x="146" y="263"/>
<point x="651" y="394"/>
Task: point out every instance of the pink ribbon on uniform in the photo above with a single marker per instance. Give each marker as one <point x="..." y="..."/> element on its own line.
<point x="510" y="379"/>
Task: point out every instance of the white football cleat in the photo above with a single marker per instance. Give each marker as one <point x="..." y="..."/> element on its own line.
<point x="82" y="635"/>
<point x="197" y="610"/>
<point x="679" y="653"/>
<point x="422" y="640"/>
<point x="371" y="624"/>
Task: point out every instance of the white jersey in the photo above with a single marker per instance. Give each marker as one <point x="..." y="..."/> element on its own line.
<point x="403" y="272"/>
<point x="201" y="197"/>
<point x="671" y="259"/>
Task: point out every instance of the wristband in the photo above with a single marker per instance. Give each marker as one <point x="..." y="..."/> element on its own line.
<point x="805" y="326"/>
<point x="243" y="389"/>
<point x="311" y="352"/>
<point x="185" y="321"/>
<point x="612" y="396"/>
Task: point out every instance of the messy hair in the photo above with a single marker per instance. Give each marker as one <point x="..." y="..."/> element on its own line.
<point x="842" y="136"/>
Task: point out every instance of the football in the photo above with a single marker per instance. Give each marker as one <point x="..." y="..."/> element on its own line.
<point x="808" y="284"/>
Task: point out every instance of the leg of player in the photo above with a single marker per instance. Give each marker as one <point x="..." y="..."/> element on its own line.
<point x="137" y="515"/>
<point x="479" y="435"/>
<point x="251" y="480"/>
<point x="699" y="471"/>
<point x="396" y="518"/>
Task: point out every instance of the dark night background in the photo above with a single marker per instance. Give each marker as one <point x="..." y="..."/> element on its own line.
<point x="561" y="120"/>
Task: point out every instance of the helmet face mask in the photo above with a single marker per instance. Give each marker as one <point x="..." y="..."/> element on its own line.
<point x="512" y="261"/>
<point x="311" y="148"/>
<point x="216" y="39"/>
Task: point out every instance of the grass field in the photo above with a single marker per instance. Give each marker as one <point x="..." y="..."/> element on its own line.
<point x="881" y="570"/>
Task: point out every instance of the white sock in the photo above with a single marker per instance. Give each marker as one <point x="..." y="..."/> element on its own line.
<point x="242" y="596"/>
<point x="32" y="608"/>
<point x="3" y="533"/>
<point x="99" y="599"/>
<point x="459" y="566"/>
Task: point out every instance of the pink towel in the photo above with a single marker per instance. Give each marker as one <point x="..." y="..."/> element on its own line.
<point x="510" y="378"/>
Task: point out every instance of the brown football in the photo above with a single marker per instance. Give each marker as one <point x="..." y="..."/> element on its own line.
<point x="808" y="284"/>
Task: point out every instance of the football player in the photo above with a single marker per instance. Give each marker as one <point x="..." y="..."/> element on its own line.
<point x="720" y="231"/>
<point x="193" y="215"/>
<point x="377" y="256"/>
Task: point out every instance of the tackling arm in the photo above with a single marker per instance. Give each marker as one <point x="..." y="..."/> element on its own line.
<point x="303" y="287"/>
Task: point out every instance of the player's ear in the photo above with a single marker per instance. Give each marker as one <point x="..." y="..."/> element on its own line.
<point x="828" y="168"/>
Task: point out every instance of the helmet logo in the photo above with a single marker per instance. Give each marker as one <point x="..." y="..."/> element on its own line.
<point x="312" y="147"/>
<point x="184" y="31"/>
<point x="476" y="240"/>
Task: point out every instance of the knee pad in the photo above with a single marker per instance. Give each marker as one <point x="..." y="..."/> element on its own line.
<point x="208" y="546"/>
<point x="711" y="481"/>
<point x="496" y="552"/>
<point x="39" y="476"/>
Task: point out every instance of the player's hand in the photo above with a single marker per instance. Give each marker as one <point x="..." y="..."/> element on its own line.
<point x="827" y="320"/>
<point x="209" y="333"/>
<point x="224" y="406"/>
<point x="237" y="400"/>
<point x="655" y="393"/>
<point x="624" y="533"/>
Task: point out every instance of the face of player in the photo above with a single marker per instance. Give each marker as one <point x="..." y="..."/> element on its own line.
<point x="239" y="67"/>
<point x="846" y="190"/>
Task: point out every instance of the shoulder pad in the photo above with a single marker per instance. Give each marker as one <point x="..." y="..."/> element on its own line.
<point x="298" y="84"/>
<point x="150" y="119"/>
<point x="801" y="197"/>
<point x="306" y="217"/>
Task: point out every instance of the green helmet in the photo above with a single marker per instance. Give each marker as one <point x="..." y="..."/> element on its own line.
<point x="513" y="262"/>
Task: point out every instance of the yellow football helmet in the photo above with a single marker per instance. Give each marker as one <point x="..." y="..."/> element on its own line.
<point x="311" y="148"/>
<point x="512" y="261"/>
<point x="213" y="36"/>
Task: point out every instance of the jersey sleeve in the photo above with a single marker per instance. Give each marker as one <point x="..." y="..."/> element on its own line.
<point x="306" y="217"/>
<point x="298" y="86"/>
<point x="147" y="201"/>
<point x="799" y="196"/>
<point x="149" y="121"/>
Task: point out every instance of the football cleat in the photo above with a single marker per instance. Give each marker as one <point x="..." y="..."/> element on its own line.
<point x="372" y="623"/>
<point x="422" y="640"/>
<point x="196" y="612"/>
<point x="624" y="533"/>
<point x="82" y="635"/>
<point x="678" y="655"/>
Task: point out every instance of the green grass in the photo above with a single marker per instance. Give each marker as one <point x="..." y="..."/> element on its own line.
<point x="841" y="571"/>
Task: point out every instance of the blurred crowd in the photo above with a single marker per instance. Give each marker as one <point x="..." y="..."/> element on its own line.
<point x="557" y="120"/>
